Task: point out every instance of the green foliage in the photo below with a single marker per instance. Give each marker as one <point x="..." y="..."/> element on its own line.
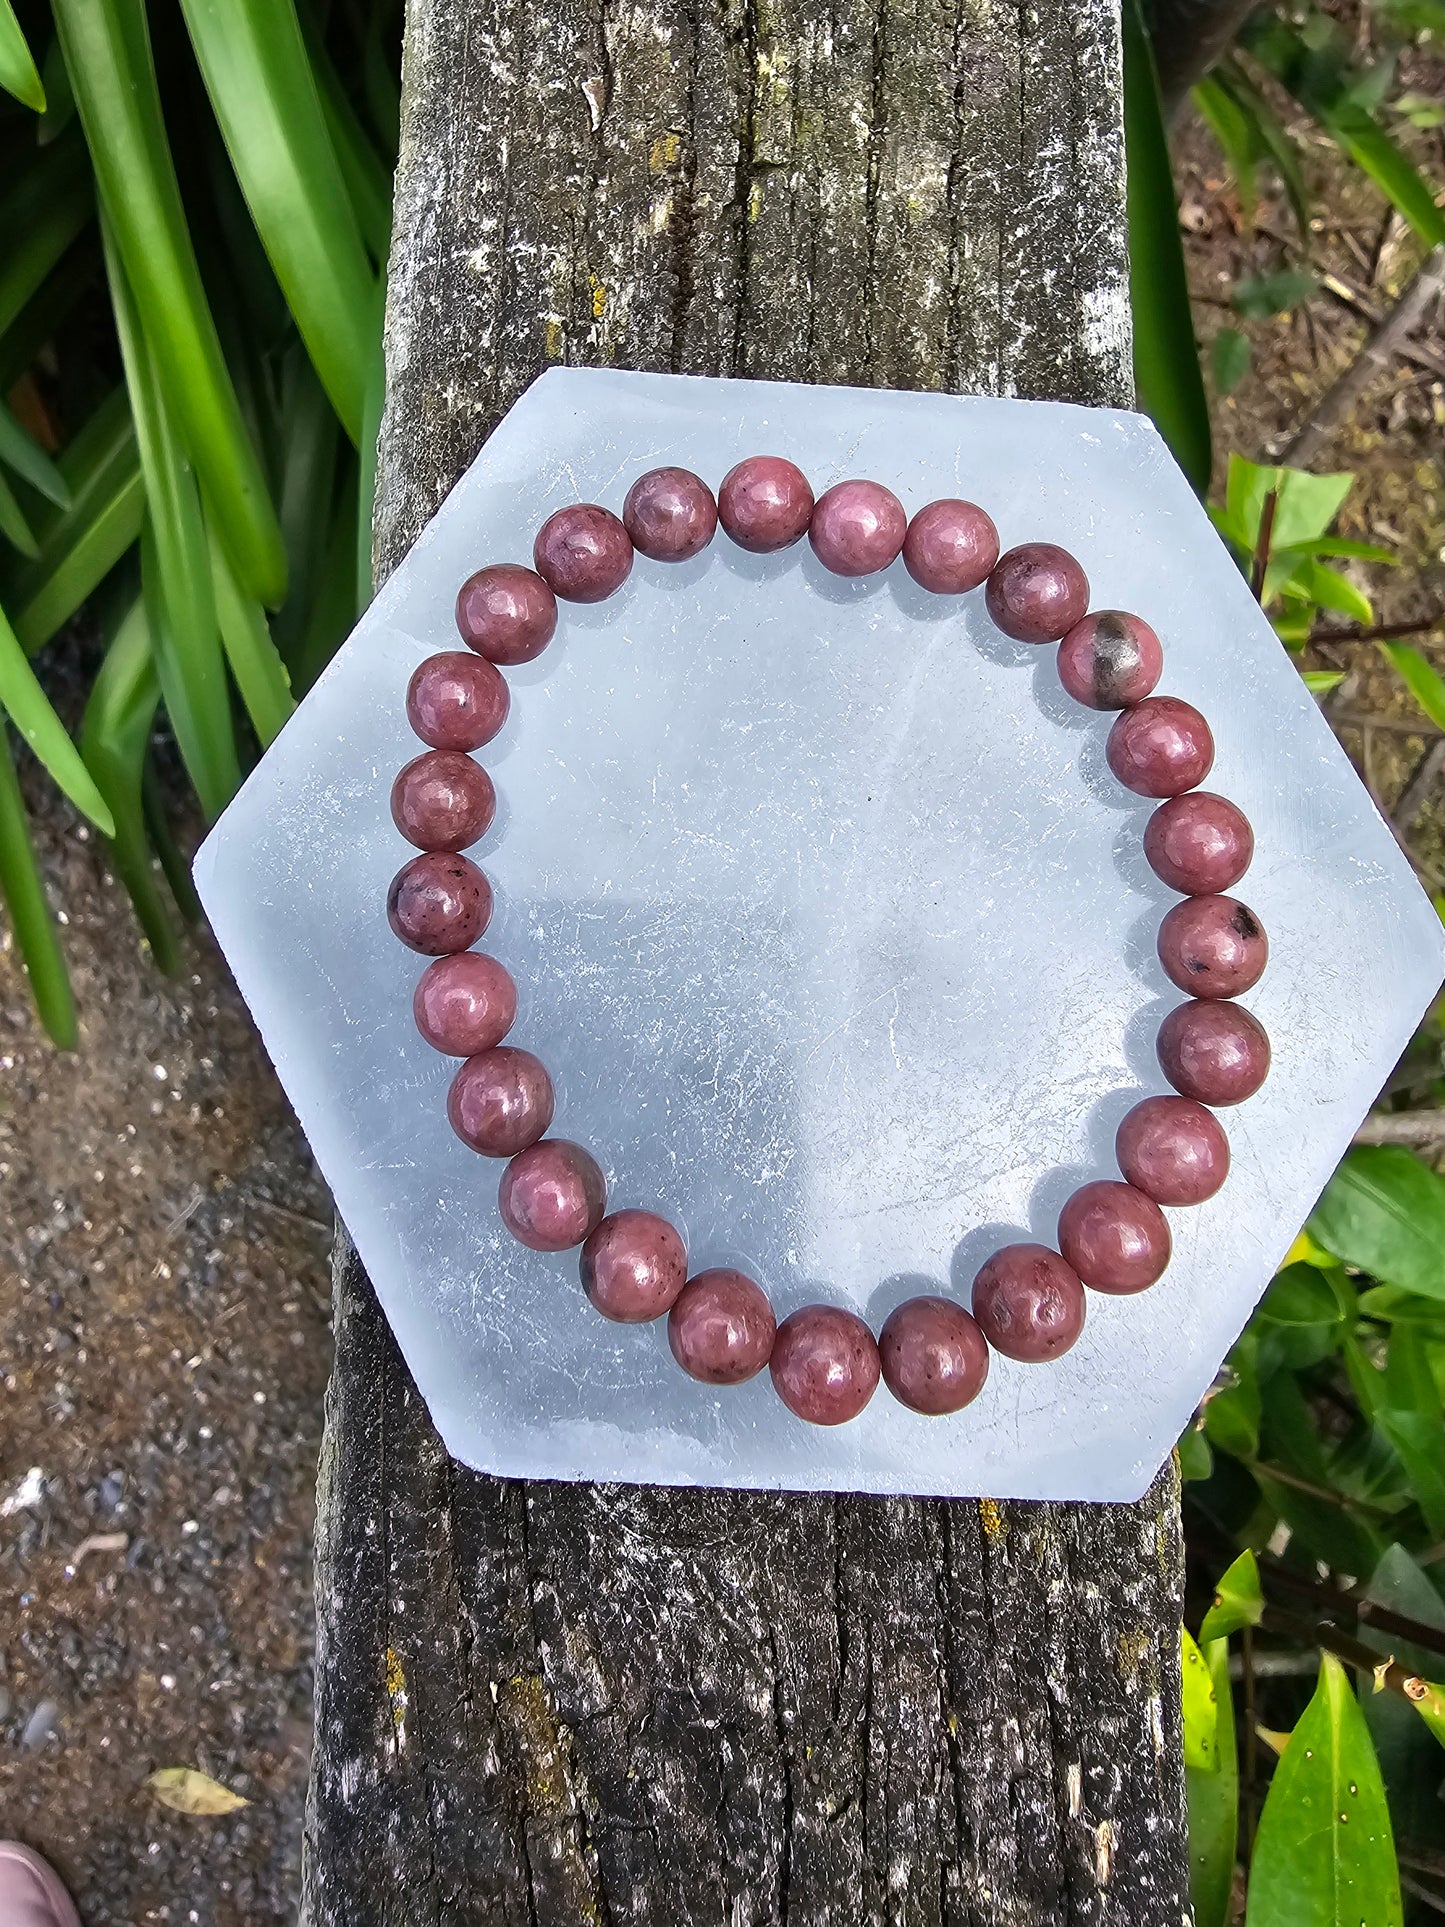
<point x="1211" y="1777"/>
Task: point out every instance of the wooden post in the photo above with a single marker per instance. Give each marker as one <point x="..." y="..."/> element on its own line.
<point x="553" y="1704"/>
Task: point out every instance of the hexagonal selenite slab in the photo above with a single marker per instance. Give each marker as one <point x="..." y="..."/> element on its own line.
<point x="835" y="932"/>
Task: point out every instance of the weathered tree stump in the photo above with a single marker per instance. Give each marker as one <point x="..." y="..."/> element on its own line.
<point x="553" y="1704"/>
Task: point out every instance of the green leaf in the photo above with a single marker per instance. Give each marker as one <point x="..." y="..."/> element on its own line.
<point x="1259" y="296"/>
<point x="1384" y="1212"/>
<point x="367" y="176"/>
<point x="1166" y="358"/>
<point x="1319" y="682"/>
<point x="1273" y="140"/>
<point x="1421" y="110"/>
<point x="30" y="919"/>
<point x="1231" y="1416"/>
<point x="1229" y="357"/>
<point x="28" y="707"/>
<point x="1236" y="134"/>
<point x="260" y="674"/>
<point x="1390" y="1303"/>
<point x="108" y="54"/>
<point x="1196" y="1456"/>
<point x="30" y="462"/>
<point x="1214" y="1802"/>
<point x="1238" y="1601"/>
<point x="1420" y="1443"/>
<point x="1420" y="677"/>
<point x="39" y="217"/>
<point x="1328" y="589"/>
<point x="18" y="75"/>
<point x="1201" y="1714"/>
<point x="13" y="526"/>
<point x="1406" y="1743"/>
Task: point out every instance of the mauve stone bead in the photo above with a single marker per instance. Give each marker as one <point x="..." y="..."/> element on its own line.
<point x="465" y="1003"/>
<point x="583" y="552"/>
<point x="506" y="613"/>
<point x="500" y="1101"/>
<point x="1215" y="1053"/>
<point x="633" y="1266"/>
<point x="857" y="528"/>
<point x="1029" y="1304"/>
<point x="1198" y="843"/>
<point x="1115" y="1237"/>
<point x="950" y="547"/>
<point x="721" y="1328"/>
<point x="1173" y="1150"/>
<point x="1213" y="946"/>
<point x="765" y="504"/>
<point x="442" y="800"/>
<point x="456" y="701"/>
<point x="1037" y="593"/>
<point x="1110" y="660"/>
<point x="1160" y="747"/>
<point x="933" y="1355"/>
<point x="439" y="903"/>
<point x="824" y="1364"/>
<point x="552" y="1195"/>
<point x="670" y="514"/>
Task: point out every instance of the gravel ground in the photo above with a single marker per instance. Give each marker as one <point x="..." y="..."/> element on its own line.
<point x="164" y="1347"/>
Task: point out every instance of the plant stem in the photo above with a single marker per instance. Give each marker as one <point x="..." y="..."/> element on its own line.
<point x="1380" y="632"/>
<point x="1261" y="548"/>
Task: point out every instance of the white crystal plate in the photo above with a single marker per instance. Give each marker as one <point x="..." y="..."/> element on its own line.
<point x="836" y="935"/>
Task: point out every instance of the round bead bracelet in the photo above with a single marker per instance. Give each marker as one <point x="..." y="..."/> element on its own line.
<point x="1028" y="1300"/>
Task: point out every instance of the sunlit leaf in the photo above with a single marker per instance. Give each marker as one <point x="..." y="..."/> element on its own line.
<point x="1214" y="1802"/>
<point x="260" y="673"/>
<point x="1384" y="1212"/>
<point x="1420" y="677"/>
<point x="30" y="919"/>
<point x="18" y="73"/>
<point x="28" y="707"/>
<point x="187" y="1791"/>
<point x="1329" y="589"/>
<point x="1238" y="1601"/>
<point x="1319" y="682"/>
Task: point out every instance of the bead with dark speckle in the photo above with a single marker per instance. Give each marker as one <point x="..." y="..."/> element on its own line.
<point x="1213" y="946"/>
<point x="765" y="504"/>
<point x="506" y="613"/>
<point x="857" y="528"/>
<point x="824" y="1364"/>
<point x="1215" y="1053"/>
<point x="439" y="903"/>
<point x="950" y="547"/>
<point x="500" y="1101"/>
<point x="1110" y="660"/>
<point x="670" y="514"/>
<point x="552" y="1195"/>
<point x="933" y="1355"/>
<point x="583" y="552"/>
<point x="1037" y="592"/>
<point x="721" y="1328"/>
<point x="1173" y="1150"/>
<point x="1029" y="1304"/>
<point x="1115" y="1237"/>
<point x="1160" y="747"/>
<point x="1198" y="843"/>
<point x="442" y="800"/>
<point x="456" y="701"/>
<point x="633" y="1266"/>
<point x="464" y="1003"/>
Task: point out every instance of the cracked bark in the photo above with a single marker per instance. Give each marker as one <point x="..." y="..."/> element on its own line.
<point x="547" y="1703"/>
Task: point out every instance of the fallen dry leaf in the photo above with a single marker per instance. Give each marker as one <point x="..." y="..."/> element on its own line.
<point x="188" y="1791"/>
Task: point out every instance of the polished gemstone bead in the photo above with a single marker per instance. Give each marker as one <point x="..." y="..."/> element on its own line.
<point x="1110" y="660"/>
<point x="670" y="514"/>
<point x="950" y="547"/>
<point x="438" y="903"/>
<point x="1198" y="843"/>
<point x="1115" y="1237"/>
<point x="1173" y="1150"/>
<point x="721" y="1327"/>
<point x="933" y="1355"/>
<point x="552" y="1195"/>
<point x="633" y="1266"/>
<point x="824" y="1364"/>
<point x="506" y="613"/>
<point x="583" y="552"/>
<point x="1160" y="747"/>
<point x="442" y="800"/>
<point x="456" y="701"/>
<point x="1212" y="946"/>
<point x="1214" y="1052"/>
<point x="765" y="503"/>
<point x="500" y="1101"/>
<point x="464" y="1003"/>
<point x="1037" y="593"/>
<point x="1029" y="1304"/>
<point x="857" y="528"/>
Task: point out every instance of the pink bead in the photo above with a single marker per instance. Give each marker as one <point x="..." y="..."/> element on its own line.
<point x="442" y="800"/>
<point x="857" y="528"/>
<point x="1160" y="747"/>
<point x="1212" y="946"/>
<point x="1198" y="843"/>
<point x="1037" y="592"/>
<point x="552" y="1195"/>
<point x="439" y="903"/>
<point x="950" y="547"/>
<point x="464" y="1003"/>
<point x="1173" y="1150"/>
<point x="765" y="504"/>
<point x="933" y="1355"/>
<point x="583" y="552"/>
<point x="1029" y="1304"/>
<point x="1110" y="660"/>
<point x="1115" y="1237"/>
<point x="669" y="514"/>
<point x="633" y="1266"/>
<point x="500" y="1101"/>
<point x="1215" y="1053"/>
<point x="456" y="701"/>
<point x="506" y="613"/>
<point x="824" y="1364"/>
<point x="721" y="1327"/>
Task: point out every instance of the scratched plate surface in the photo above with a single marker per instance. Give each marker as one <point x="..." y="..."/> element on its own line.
<point x="835" y="933"/>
